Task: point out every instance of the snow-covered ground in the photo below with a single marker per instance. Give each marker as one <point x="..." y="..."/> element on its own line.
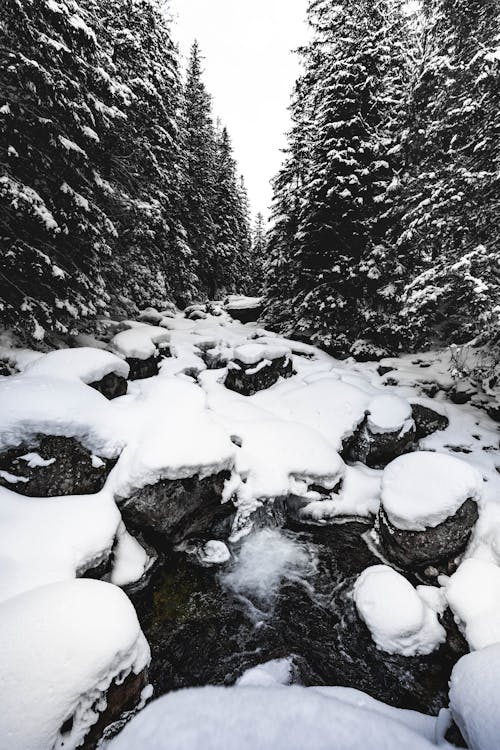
<point x="282" y="441"/>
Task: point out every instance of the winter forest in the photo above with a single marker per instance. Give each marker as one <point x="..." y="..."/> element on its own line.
<point x="250" y="454"/>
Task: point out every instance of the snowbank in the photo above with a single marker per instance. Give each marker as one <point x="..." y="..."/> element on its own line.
<point x="388" y="413"/>
<point x="53" y="406"/>
<point x="272" y="718"/>
<point x="86" y="364"/>
<point x="174" y="437"/>
<point x="400" y="621"/>
<point x="421" y="490"/>
<point x="474" y="690"/>
<point x="473" y="593"/>
<point x="45" y="540"/>
<point x="139" y="342"/>
<point x="62" y="645"/>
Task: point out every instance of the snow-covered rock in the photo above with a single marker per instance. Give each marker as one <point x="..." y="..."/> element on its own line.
<point x="139" y="342"/>
<point x="85" y="363"/>
<point x="32" y="406"/>
<point x="63" y="646"/>
<point x="423" y="489"/>
<point x="244" y="309"/>
<point x="428" y="510"/>
<point x="48" y="540"/>
<point x="52" y="466"/>
<point x="257" y="367"/>
<point x="473" y="594"/>
<point x="387" y="432"/>
<point x="400" y="621"/>
<point x="474" y="696"/>
<point x="268" y="718"/>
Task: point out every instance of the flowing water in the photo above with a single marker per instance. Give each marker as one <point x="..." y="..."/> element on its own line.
<point x="285" y="592"/>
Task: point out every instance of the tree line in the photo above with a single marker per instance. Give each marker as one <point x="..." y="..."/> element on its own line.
<point x="385" y="231"/>
<point x="117" y="187"/>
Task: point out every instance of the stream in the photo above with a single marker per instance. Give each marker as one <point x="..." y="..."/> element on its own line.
<point x="285" y="593"/>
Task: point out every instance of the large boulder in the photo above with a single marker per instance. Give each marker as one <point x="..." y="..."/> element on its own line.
<point x="74" y="659"/>
<point x="429" y="506"/>
<point x="257" y="367"/>
<point x="387" y="432"/>
<point x="172" y="510"/>
<point x="244" y="309"/>
<point x="51" y="466"/>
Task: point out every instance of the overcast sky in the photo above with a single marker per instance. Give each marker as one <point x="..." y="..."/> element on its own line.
<point x="250" y="71"/>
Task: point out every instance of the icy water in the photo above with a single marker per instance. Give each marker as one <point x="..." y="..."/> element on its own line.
<point x="286" y="592"/>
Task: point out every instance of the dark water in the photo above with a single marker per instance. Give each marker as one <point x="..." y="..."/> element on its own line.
<point x="286" y="593"/>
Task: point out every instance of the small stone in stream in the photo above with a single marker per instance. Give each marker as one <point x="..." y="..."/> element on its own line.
<point x="143" y="368"/>
<point x="111" y="385"/>
<point x="427" y="421"/>
<point x="436" y="547"/>
<point x="53" y="466"/>
<point x="175" y="509"/>
<point x="247" y="379"/>
<point x="383" y="370"/>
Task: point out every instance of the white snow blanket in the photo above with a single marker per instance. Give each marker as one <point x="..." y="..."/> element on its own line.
<point x="62" y="645"/>
<point x="272" y="718"/>
<point x="474" y="691"/>
<point x="473" y="594"/>
<point x="400" y="621"/>
<point x="85" y="363"/>
<point x="421" y="490"/>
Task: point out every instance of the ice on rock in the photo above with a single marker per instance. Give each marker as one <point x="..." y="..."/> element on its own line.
<point x="473" y="593"/>
<point x="267" y="718"/>
<point x="388" y="413"/>
<point x="86" y="364"/>
<point x="130" y="560"/>
<point x="139" y="342"/>
<point x="45" y="540"/>
<point x="30" y="406"/>
<point x="62" y="645"/>
<point x="269" y="674"/>
<point x="474" y="691"/>
<point x="421" y="490"/>
<point x="400" y="621"/>
<point x="175" y="437"/>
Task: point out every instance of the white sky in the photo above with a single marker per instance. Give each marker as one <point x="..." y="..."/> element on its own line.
<point x="250" y="71"/>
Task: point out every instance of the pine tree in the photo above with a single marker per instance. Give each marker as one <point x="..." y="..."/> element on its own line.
<point x="450" y="195"/>
<point x="259" y="249"/>
<point x="198" y="185"/>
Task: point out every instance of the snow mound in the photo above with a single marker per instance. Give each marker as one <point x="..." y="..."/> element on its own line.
<point x="240" y="302"/>
<point x="474" y="689"/>
<point x="130" y="560"/>
<point x="330" y="406"/>
<point x="269" y="674"/>
<point x="473" y="593"/>
<point x="54" y="406"/>
<point x="269" y="718"/>
<point x="421" y="490"/>
<point x="86" y="364"/>
<point x="359" y="496"/>
<point x="45" y="540"/>
<point x="388" y="413"/>
<point x="139" y="342"/>
<point x="174" y="437"/>
<point x="251" y="354"/>
<point x="281" y="458"/>
<point x="400" y="621"/>
<point x="62" y="645"/>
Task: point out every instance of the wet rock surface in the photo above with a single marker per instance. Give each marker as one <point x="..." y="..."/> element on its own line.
<point x="248" y="379"/>
<point x="111" y="385"/>
<point x="201" y="631"/>
<point x="427" y="421"/>
<point x="143" y="368"/>
<point x="173" y="510"/>
<point x="245" y="314"/>
<point x="436" y="547"/>
<point x="376" y="450"/>
<point x="53" y="466"/>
